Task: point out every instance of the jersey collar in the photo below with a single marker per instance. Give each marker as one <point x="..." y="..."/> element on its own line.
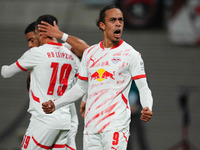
<point x="121" y="41"/>
<point x="53" y="43"/>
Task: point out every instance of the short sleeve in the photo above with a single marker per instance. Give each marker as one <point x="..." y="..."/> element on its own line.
<point x="137" y="67"/>
<point x="29" y="59"/>
<point x="83" y="72"/>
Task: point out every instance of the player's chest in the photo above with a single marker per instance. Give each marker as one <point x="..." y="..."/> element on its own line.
<point x="108" y="63"/>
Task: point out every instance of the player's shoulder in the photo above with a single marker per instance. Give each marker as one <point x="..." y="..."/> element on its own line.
<point x="70" y="52"/>
<point x="41" y="49"/>
<point x="131" y="49"/>
<point x="33" y="50"/>
<point x="91" y="49"/>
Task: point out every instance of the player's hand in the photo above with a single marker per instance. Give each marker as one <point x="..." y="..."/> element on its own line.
<point x="146" y="114"/>
<point x="82" y="109"/>
<point x="48" y="107"/>
<point x="49" y="30"/>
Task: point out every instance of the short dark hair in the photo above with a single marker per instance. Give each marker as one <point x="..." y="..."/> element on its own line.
<point x="102" y="14"/>
<point x="47" y="18"/>
<point x="30" y="28"/>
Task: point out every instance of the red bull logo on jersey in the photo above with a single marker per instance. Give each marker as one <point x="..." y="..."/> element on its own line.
<point x="101" y="75"/>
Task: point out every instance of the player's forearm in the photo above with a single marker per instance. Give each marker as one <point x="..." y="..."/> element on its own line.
<point x="74" y="94"/>
<point x="77" y="43"/>
<point x="146" y="98"/>
<point x="53" y="31"/>
<point x="9" y="71"/>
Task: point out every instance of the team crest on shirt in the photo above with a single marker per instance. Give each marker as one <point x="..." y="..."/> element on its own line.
<point x="116" y="59"/>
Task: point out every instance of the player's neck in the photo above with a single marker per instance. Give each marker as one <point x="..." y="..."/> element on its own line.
<point x="49" y="40"/>
<point x="108" y="44"/>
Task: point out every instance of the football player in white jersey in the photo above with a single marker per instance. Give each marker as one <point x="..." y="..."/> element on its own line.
<point x="106" y="72"/>
<point x="53" y="68"/>
<point x="32" y="39"/>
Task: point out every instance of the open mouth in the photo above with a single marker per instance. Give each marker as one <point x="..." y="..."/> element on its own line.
<point x="117" y="33"/>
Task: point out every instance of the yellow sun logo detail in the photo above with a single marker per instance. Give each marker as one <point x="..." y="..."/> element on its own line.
<point x="100" y="71"/>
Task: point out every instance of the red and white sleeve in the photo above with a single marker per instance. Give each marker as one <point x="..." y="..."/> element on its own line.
<point x="9" y="71"/>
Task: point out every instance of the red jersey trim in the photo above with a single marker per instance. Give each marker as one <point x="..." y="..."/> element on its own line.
<point x="82" y="78"/>
<point x="139" y="76"/>
<point x="40" y="145"/>
<point x="35" y="98"/>
<point x="58" y="44"/>
<point x="50" y="147"/>
<point x="76" y="75"/>
<point x="58" y="146"/>
<point x="101" y="45"/>
<point x="20" y="67"/>
<point x="121" y="41"/>
<point x="70" y="147"/>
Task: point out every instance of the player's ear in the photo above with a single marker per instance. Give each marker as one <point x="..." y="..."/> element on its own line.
<point x="37" y="33"/>
<point x="102" y="25"/>
<point x="40" y="36"/>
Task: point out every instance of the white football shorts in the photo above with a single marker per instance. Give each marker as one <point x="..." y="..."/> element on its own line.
<point x="39" y="137"/>
<point x="109" y="140"/>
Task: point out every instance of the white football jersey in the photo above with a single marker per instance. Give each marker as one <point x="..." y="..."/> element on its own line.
<point x="109" y="72"/>
<point x="53" y="70"/>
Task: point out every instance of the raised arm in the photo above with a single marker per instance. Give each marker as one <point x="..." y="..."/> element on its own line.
<point x="77" y="44"/>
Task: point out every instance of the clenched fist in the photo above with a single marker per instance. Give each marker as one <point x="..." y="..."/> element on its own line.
<point x="146" y="114"/>
<point x="48" y="107"/>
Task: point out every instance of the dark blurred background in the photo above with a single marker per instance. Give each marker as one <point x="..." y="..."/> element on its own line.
<point x="166" y="32"/>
